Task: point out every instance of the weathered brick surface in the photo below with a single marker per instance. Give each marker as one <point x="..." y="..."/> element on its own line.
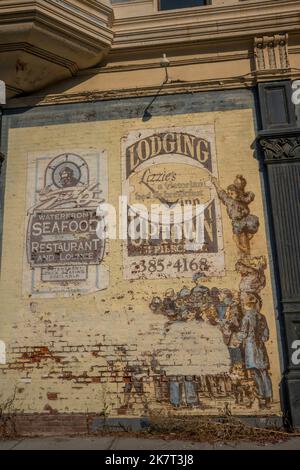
<point x="52" y="424"/>
<point x="80" y="354"/>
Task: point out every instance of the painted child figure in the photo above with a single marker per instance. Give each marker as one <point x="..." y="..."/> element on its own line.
<point x="237" y="200"/>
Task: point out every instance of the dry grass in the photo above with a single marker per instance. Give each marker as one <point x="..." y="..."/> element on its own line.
<point x="7" y="418"/>
<point x="225" y="428"/>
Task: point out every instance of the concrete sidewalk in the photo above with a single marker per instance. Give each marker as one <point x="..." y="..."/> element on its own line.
<point x="134" y="443"/>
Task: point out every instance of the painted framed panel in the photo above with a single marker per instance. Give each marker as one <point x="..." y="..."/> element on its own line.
<point x="63" y="252"/>
<point x="165" y="169"/>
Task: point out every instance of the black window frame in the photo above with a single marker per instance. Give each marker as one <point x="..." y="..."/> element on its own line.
<point x="176" y="7"/>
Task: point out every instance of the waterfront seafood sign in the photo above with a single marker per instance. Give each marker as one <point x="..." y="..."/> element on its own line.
<point x="63" y="237"/>
<point x="62" y="248"/>
<point x="165" y="170"/>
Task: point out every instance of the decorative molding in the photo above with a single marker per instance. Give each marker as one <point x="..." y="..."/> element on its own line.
<point x="173" y="87"/>
<point x="115" y="94"/>
<point x="76" y="35"/>
<point x="42" y="53"/>
<point x="151" y="64"/>
<point x="271" y="52"/>
<point x="281" y="148"/>
<point x="43" y="42"/>
<point x="57" y="17"/>
<point x="212" y="23"/>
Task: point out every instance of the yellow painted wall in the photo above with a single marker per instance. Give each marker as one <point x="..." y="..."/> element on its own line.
<point x="84" y="342"/>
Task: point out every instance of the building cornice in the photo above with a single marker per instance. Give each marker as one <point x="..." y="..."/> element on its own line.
<point x="173" y="87"/>
<point x="209" y="23"/>
<point x="73" y="36"/>
<point x="43" y="42"/>
<point x="75" y="24"/>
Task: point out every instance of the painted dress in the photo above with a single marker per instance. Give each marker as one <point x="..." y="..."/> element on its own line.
<point x="239" y="213"/>
<point x="254" y="333"/>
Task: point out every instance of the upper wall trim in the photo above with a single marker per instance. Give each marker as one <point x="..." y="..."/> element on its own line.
<point x="209" y="22"/>
<point x="172" y="88"/>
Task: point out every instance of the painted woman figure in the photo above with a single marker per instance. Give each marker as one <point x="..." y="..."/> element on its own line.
<point x="253" y="334"/>
<point x="237" y="200"/>
<point x="253" y="278"/>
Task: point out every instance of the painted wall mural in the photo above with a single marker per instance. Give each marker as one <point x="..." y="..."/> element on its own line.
<point x="172" y="165"/>
<point x="236" y="314"/>
<point x="139" y="326"/>
<point x="237" y="200"/>
<point x="169" y="167"/>
<point x="63" y="252"/>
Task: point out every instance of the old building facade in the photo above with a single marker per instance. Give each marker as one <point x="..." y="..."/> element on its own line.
<point x="140" y="102"/>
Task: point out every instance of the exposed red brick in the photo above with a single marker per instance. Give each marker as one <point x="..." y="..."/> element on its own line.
<point x="96" y="380"/>
<point x="53" y="424"/>
<point x="40" y="353"/>
<point x="52" y="395"/>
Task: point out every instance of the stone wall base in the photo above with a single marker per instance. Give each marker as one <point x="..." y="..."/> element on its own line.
<point x="43" y="424"/>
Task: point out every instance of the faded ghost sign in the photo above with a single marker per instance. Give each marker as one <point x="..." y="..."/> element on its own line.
<point x="172" y="167"/>
<point x="62" y="248"/>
